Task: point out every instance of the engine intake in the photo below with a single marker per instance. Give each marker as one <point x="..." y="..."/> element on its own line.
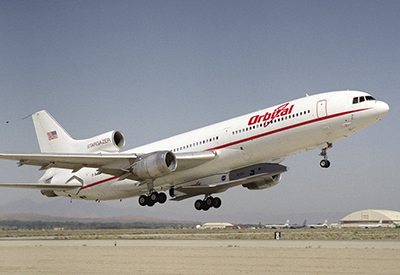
<point x="155" y="165"/>
<point x="48" y="193"/>
<point x="109" y="142"/>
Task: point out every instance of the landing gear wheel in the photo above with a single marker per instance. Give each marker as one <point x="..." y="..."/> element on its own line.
<point x="209" y="202"/>
<point x="153" y="197"/>
<point x="162" y="197"/>
<point x="324" y="147"/>
<point x="143" y="200"/>
<point x="325" y="163"/>
<point x="217" y="202"/>
<point x="198" y="204"/>
<point x="205" y="206"/>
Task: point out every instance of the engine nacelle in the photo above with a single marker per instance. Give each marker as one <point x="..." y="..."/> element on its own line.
<point x="263" y="183"/>
<point x="109" y="142"/>
<point x="155" y="165"/>
<point x="48" y="193"/>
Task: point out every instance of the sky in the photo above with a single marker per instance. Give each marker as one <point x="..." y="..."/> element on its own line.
<point x="152" y="69"/>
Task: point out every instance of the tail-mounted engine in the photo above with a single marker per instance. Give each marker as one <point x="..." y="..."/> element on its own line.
<point x="109" y="142"/>
<point x="155" y="165"/>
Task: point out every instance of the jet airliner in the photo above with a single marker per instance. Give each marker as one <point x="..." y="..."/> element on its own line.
<point x="247" y="150"/>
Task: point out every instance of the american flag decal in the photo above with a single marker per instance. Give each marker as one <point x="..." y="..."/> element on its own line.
<point x="52" y="135"/>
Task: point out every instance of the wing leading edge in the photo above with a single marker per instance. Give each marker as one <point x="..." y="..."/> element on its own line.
<point x="43" y="186"/>
<point x="119" y="165"/>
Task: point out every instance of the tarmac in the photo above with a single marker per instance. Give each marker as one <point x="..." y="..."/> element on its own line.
<point x="42" y="256"/>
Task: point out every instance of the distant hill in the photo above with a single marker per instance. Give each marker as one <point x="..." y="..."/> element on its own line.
<point x="47" y="218"/>
<point x="62" y="210"/>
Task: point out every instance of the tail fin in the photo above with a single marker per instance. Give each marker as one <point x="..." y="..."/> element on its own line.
<point x="51" y="136"/>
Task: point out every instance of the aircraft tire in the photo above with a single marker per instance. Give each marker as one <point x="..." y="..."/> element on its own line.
<point x="198" y="205"/>
<point x="209" y="202"/>
<point x="143" y="200"/>
<point x="217" y="202"/>
<point x="325" y="163"/>
<point x="205" y="206"/>
<point x="150" y="203"/>
<point x="162" y="197"/>
<point x="153" y="197"/>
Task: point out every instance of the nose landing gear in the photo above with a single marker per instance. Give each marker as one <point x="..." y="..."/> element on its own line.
<point x="325" y="163"/>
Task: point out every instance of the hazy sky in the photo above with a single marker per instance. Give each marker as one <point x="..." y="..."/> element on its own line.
<point x="152" y="69"/>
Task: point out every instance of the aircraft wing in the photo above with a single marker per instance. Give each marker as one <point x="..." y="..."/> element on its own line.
<point x="42" y="186"/>
<point x="263" y="179"/>
<point x="113" y="164"/>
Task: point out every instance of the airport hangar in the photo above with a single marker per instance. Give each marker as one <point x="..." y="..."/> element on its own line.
<point x="370" y="217"/>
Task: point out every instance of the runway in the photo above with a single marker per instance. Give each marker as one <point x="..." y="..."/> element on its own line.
<point x="34" y="256"/>
<point x="372" y="244"/>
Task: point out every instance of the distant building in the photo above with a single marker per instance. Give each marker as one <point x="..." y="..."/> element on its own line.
<point x="216" y="225"/>
<point x="371" y="217"/>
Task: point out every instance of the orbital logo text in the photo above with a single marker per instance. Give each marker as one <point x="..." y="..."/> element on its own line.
<point x="282" y="110"/>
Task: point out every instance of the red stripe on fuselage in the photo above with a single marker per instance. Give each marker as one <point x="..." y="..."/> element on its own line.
<point x="98" y="182"/>
<point x="284" y="129"/>
<point x="254" y="137"/>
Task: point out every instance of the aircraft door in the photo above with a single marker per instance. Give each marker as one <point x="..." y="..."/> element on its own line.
<point x="227" y="135"/>
<point x="322" y="108"/>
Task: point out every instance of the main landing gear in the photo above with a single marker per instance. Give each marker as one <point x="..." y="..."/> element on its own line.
<point x="325" y="163"/>
<point x="207" y="203"/>
<point x="152" y="198"/>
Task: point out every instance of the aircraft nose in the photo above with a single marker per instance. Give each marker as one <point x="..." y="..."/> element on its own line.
<point x="382" y="108"/>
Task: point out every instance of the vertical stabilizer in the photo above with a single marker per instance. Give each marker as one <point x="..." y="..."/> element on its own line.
<point x="51" y="136"/>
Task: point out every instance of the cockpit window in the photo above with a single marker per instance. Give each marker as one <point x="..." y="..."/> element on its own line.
<point x="368" y="97"/>
<point x="362" y="99"/>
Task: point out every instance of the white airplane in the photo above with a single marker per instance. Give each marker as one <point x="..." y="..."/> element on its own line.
<point x="324" y="225"/>
<point x="366" y="226"/>
<point x="276" y="226"/>
<point x="246" y="151"/>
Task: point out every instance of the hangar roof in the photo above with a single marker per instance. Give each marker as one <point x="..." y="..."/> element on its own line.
<point x="373" y="215"/>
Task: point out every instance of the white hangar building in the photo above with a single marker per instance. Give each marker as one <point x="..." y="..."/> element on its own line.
<point x="371" y="217"/>
<point x="215" y="225"/>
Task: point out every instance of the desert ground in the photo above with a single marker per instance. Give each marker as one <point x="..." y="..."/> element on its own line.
<point x="209" y="256"/>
